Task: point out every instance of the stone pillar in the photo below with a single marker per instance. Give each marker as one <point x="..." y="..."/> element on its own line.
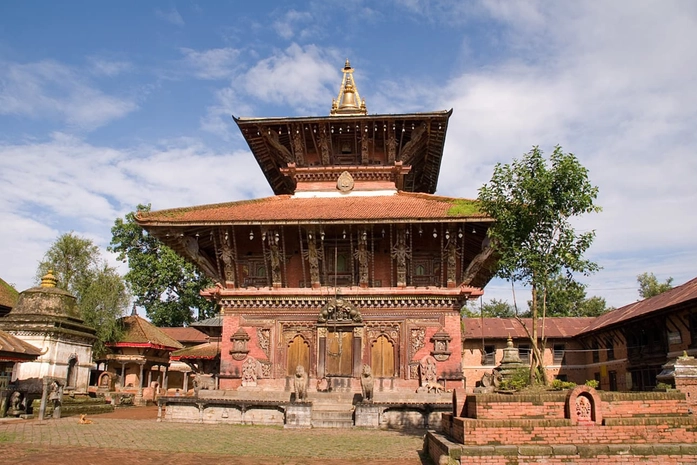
<point x="149" y="377"/>
<point x="123" y="375"/>
<point x="44" y="397"/>
<point x="185" y="385"/>
<point x="165" y="378"/>
<point x="686" y="378"/>
<point x="140" y="380"/>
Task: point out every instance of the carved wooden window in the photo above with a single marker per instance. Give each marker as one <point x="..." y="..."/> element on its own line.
<point x="382" y="358"/>
<point x="254" y="272"/>
<point x="339" y="267"/>
<point x="425" y="273"/>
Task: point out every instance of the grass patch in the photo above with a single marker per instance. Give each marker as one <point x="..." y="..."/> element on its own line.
<point x="464" y="207"/>
<point x="7" y="437"/>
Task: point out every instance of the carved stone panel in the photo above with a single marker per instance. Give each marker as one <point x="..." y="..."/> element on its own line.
<point x="418" y="340"/>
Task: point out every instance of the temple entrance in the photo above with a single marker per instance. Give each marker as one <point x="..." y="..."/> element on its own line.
<point x="339" y="355"/>
<point x="298" y="354"/>
<point x="382" y="358"/>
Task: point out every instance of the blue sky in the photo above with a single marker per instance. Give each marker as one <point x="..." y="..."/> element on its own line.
<point x="107" y="105"/>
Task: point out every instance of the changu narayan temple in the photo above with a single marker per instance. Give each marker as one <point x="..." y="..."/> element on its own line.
<point x="353" y="261"/>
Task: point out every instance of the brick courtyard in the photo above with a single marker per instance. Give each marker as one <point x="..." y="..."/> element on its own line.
<point x="133" y="436"/>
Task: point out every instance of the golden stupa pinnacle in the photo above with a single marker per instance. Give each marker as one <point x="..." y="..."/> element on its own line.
<point x="348" y="103"/>
<point x="49" y="280"/>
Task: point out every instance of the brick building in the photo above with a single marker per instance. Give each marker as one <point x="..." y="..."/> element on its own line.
<point x="353" y="261"/>
<point x="624" y="349"/>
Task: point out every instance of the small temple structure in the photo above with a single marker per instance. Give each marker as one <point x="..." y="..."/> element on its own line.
<point x="47" y="318"/>
<point x="354" y="261"/>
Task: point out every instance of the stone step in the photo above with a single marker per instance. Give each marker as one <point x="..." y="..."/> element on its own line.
<point x="332" y="418"/>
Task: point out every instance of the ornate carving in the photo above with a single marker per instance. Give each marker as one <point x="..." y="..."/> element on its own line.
<point x="324" y="145"/>
<point x="251" y="369"/>
<point x="391" y="148"/>
<point x="363" y="257"/>
<point x="418" y="340"/>
<point x="345" y="182"/>
<point x="272" y="139"/>
<point x="239" y="344"/>
<point x="339" y="311"/>
<point x="428" y="370"/>
<point x="198" y="256"/>
<point x="417" y="140"/>
<point x="391" y="331"/>
<point x="264" y="336"/>
<point x="227" y="255"/>
<point x="583" y="409"/>
<point x="274" y="258"/>
<point x="313" y="256"/>
<point x="441" y="340"/>
<point x="265" y="368"/>
<point x="451" y="248"/>
<point x="298" y="146"/>
<point x="365" y="156"/>
<point x="413" y="371"/>
<point x="357" y="331"/>
<point x="321" y="332"/>
<point x="401" y="253"/>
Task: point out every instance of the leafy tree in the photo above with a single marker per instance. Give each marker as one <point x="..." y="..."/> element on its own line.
<point x="494" y="308"/>
<point x="102" y="295"/>
<point x="161" y="281"/>
<point x="566" y="297"/>
<point x="532" y="202"/>
<point x="650" y="287"/>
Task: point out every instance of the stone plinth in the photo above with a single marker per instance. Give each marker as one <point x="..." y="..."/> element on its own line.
<point x="367" y="415"/>
<point x="299" y="415"/>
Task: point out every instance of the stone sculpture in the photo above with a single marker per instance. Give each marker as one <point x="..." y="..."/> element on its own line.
<point x="203" y="382"/>
<point x="367" y="383"/>
<point x="300" y="383"/>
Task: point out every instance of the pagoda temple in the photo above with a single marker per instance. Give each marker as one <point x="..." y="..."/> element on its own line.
<point x="354" y="261"/>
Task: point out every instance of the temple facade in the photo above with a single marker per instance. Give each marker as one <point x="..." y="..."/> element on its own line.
<point x="354" y="261"/>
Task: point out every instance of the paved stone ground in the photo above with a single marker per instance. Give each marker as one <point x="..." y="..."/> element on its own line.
<point x="133" y="436"/>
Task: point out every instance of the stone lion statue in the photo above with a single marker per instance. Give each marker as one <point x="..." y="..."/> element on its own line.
<point x="367" y="383"/>
<point x="300" y="383"/>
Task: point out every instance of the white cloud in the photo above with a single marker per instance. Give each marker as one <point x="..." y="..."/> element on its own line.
<point x="217" y="63"/>
<point x="172" y="16"/>
<point x="291" y="23"/>
<point x="50" y="89"/>
<point x="64" y="184"/>
<point x="109" y="68"/>
<point x="298" y="76"/>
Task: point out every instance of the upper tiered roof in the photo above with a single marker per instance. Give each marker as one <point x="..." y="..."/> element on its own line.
<point x="406" y="148"/>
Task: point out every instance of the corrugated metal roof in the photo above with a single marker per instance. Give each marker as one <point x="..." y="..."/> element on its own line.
<point x="185" y="334"/>
<point x="501" y="328"/>
<point x="400" y="206"/>
<point x="15" y="348"/>
<point x="676" y="296"/>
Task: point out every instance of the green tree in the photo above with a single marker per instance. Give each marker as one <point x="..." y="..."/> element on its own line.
<point x="161" y="281"/>
<point x="567" y="297"/>
<point x="532" y="202"/>
<point x="102" y="295"/>
<point x="494" y="308"/>
<point x="650" y="287"/>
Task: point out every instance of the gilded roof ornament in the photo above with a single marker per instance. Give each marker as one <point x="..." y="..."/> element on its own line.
<point x="349" y="102"/>
<point x="49" y="280"/>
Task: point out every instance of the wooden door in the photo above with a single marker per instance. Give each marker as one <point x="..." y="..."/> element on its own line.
<point x="382" y="358"/>
<point x="298" y="354"/>
<point x="339" y="353"/>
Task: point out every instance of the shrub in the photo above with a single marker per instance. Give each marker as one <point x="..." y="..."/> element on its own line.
<point x="593" y="383"/>
<point x="518" y="380"/>
<point x="559" y="385"/>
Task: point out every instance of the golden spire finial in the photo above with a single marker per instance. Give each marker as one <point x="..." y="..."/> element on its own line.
<point x="348" y="103"/>
<point x="49" y="280"/>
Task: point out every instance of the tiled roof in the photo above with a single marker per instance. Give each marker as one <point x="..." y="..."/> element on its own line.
<point x="207" y="351"/>
<point x="215" y="322"/>
<point x="13" y="348"/>
<point x="8" y="295"/>
<point x="185" y="334"/>
<point x="676" y="296"/>
<point x="138" y="331"/>
<point x="501" y="328"/>
<point x="282" y="208"/>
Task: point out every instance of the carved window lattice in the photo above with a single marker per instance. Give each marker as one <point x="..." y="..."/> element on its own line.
<point x="263" y="335"/>
<point x="418" y="340"/>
